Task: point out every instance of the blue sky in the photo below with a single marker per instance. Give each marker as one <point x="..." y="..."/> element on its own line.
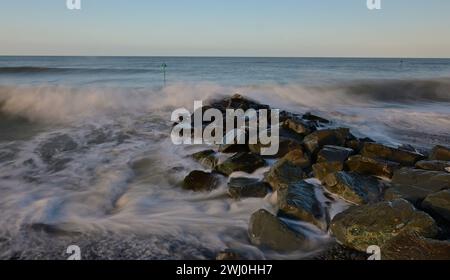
<point x="403" y="28"/>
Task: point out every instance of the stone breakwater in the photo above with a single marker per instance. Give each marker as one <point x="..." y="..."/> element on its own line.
<point x="398" y="197"/>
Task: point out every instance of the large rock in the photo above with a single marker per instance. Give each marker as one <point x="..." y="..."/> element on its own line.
<point x="322" y="169"/>
<point x="285" y="146"/>
<point x="354" y="187"/>
<point x="431" y="180"/>
<point x="331" y="153"/>
<point x="298" y="125"/>
<point x="201" y="181"/>
<point x="411" y="246"/>
<point x="247" y="187"/>
<point x="376" y="224"/>
<point x="233" y="148"/>
<point x="413" y="194"/>
<point x="299" y="201"/>
<point x="406" y="158"/>
<point x="372" y="166"/>
<point x="206" y="158"/>
<point x="298" y="158"/>
<point x="316" y="140"/>
<point x="246" y="162"/>
<point x="440" y="153"/>
<point x="439" y="204"/>
<point x="434" y="165"/>
<point x="237" y="102"/>
<point x="283" y="173"/>
<point x="266" y="230"/>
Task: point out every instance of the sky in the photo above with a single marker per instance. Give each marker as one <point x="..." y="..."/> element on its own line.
<point x="285" y="28"/>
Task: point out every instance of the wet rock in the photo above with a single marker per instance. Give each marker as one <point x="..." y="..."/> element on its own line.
<point x="331" y="153"/>
<point x="299" y="201"/>
<point x="337" y="252"/>
<point x="206" y="158"/>
<point x="227" y="255"/>
<point x="432" y="180"/>
<point x="438" y="204"/>
<point x="285" y="146"/>
<point x="235" y="102"/>
<point x="413" y="194"/>
<point x="354" y="187"/>
<point x="56" y="145"/>
<point x="372" y="166"/>
<point x="298" y="158"/>
<point x="247" y="187"/>
<point x="405" y="158"/>
<point x="298" y="125"/>
<point x="233" y="148"/>
<point x="358" y="144"/>
<point x="246" y="162"/>
<point x="440" y="153"/>
<point x="283" y="173"/>
<point x="433" y="165"/>
<point x="412" y="246"/>
<point x="316" y="140"/>
<point x="201" y="181"/>
<point x="322" y="169"/>
<point x="310" y="117"/>
<point x="375" y="224"/>
<point x="266" y="230"/>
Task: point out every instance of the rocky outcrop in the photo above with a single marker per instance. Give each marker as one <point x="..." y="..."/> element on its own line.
<point x="266" y="230"/>
<point x="206" y="158"/>
<point x="372" y="166"/>
<point x="246" y="162"/>
<point x="316" y="140"/>
<point x="299" y="201"/>
<point x="354" y="187"/>
<point x="440" y="153"/>
<point x="247" y="187"/>
<point x="405" y="158"/>
<point x="438" y="204"/>
<point x="201" y="181"/>
<point x="376" y="224"/>
<point x="434" y="165"/>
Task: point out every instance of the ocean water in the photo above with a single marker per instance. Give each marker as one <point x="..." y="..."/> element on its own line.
<point x="86" y="158"/>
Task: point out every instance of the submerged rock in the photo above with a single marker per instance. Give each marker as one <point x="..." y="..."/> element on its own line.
<point x="438" y="204"/>
<point x="201" y="181"/>
<point x="322" y="169"/>
<point x="206" y="158"/>
<point x="412" y="246"/>
<point x="354" y="187"/>
<point x="299" y="201"/>
<point x="266" y="230"/>
<point x="434" y="165"/>
<point x="372" y="166"/>
<point x="316" y="140"/>
<point x="246" y="162"/>
<point x="406" y="158"/>
<point x="247" y="187"/>
<point x="376" y="224"/>
<point x="331" y="153"/>
<point x="440" y="153"/>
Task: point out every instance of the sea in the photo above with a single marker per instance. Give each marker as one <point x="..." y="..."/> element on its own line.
<point x="86" y="157"/>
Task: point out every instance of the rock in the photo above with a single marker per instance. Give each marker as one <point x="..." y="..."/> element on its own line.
<point x="266" y="230"/>
<point x="233" y="148"/>
<point x="201" y="181"/>
<point x="438" y="204"/>
<point x="372" y="166"/>
<point x="227" y="255"/>
<point x="354" y="187"/>
<point x="322" y="169"/>
<point x="286" y="145"/>
<point x="247" y="187"/>
<point x="411" y="246"/>
<point x="337" y="252"/>
<point x="298" y="125"/>
<point x="433" y="165"/>
<point x="375" y="224"/>
<point x="316" y="140"/>
<point x="357" y="144"/>
<point x="310" y="117"/>
<point x="432" y="180"/>
<point x="299" y="201"/>
<point x="440" y="153"/>
<point x="298" y="158"/>
<point x="246" y="162"/>
<point x="405" y="158"/>
<point x="56" y="145"/>
<point x="282" y="174"/>
<point x="331" y="153"/>
<point x="206" y="158"/>
<point x="413" y="194"/>
<point x="237" y="102"/>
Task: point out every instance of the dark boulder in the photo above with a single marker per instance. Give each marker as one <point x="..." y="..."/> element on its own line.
<point x="285" y="146"/>
<point x="206" y="158"/>
<point x="246" y="162"/>
<point x="233" y="148"/>
<point x="432" y="180"/>
<point x="266" y="230"/>
<point x="434" y="165"/>
<point x="331" y="153"/>
<point x="354" y="187"/>
<point x="405" y="158"/>
<point x="235" y="102"/>
<point x="247" y="187"/>
<point x="413" y="194"/>
<point x="322" y="169"/>
<point x="310" y="117"/>
<point x="298" y="125"/>
<point x="440" y="153"/>
<point x="438" y="204"/>
<point x="376" y="224"/>
<point x="372" y="166"/>
<point x="298" y="158"/>
<point x="283" y="173"/>
<point x="316" y="140"/>
<point x="201" y="181"/>
<point x="299" y="201"/>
